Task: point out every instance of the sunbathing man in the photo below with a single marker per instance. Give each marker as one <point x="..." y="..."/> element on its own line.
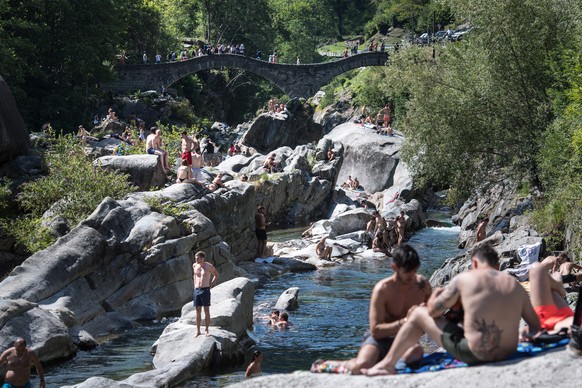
<point x="217" y="183"/>
<point x="547" y="296"/>
<point x="493" y="304"/>
<point x="553" y="263"/>
<point x="392" y="300"/>
<point x="323" y="252"/>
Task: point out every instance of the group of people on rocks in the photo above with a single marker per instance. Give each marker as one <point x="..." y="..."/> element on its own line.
<point x="386" y="234"/>
<point x="476" y="317"/>
<point x="275" y="107"/>
<point x="352" y="184"/>
<point x="380" y="123"/>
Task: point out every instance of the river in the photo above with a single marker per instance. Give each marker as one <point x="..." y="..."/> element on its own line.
<point x="330" y="321"/>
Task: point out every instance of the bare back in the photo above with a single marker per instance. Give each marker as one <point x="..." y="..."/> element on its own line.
<point x="196" y="160"/>
<point x="150" y="141"/>
<point x="493" y="303"/>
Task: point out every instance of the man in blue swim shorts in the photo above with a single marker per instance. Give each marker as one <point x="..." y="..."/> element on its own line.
<point x="202" y="271"/>
<point x="19" y="359"/>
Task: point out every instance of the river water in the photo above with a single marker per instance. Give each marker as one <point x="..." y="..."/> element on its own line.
<point x="329" y="324"/>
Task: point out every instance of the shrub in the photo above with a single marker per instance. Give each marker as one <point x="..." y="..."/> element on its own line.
<point x="72" y="182"/>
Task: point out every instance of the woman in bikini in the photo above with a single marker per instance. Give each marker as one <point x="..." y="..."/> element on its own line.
<point x="184" y="173"/>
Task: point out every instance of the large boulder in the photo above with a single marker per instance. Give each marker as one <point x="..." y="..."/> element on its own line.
<point x="270" y="131"/>
<point x="288" y="300"/>
<point x="370" y="157"/>
<point x="145" y="171"/>
<point x="127" y="262"/>
<point x="14" y="139"/>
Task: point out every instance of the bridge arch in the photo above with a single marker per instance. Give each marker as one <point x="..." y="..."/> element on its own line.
<point x="295" y="80"/>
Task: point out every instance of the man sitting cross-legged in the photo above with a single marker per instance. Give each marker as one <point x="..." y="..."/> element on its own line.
<point x="493" y="303"/>
<point x="392" y="299"/>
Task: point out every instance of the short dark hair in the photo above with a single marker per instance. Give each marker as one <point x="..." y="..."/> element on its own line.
<point x="283" y="316"/>
<point x="405" y="256"/>
<point x="486" y="254"/>
<point x="200" y="253"/>
<point x="256" y="354"/>
<point x="276" y="312"/>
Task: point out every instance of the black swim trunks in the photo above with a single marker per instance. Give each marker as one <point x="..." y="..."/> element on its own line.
<point x="383" y="344"/>
<point x="261" y="234"/>
<point x="456" y="344"/>
<point x="202" y="296"/>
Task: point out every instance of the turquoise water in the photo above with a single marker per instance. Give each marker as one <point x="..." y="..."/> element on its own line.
<point x="330" y="321"/>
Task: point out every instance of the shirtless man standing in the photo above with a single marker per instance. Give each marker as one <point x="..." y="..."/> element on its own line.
<point x="482" y="230"/>
<point x="197" y="163"/>
<point x="392" y="300"/>
<point x="493" y="304"/>
<point x="187" y="147"/>
<point x="401" y="227"/>
<point x="380" y="223"/>
<point x="154" y="147"/>
<point x="19" y="359"/>
<point x="261" y="231"/>
<point x="202" y="272"/>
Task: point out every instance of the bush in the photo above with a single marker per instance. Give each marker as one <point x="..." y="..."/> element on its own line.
<point x="73" y="188"/>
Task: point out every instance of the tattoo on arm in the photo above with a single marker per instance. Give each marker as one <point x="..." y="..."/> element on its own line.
<point x="490" y="339"/>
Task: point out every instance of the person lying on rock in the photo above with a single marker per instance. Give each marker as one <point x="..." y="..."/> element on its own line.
<point x="217" y="183"/>
<point x="393" y="298"/>
<point x="547" y="297"/>
<point x="493" y="304"/>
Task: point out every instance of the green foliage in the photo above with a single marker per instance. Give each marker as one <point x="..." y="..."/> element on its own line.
<point x="73" y="188"/>
<point x="560" y="158"/>
<point x="300" y="26"/>
<point x="167" y="208"/>
<point x="28" y="232"/>
<point x="5" y="195"/>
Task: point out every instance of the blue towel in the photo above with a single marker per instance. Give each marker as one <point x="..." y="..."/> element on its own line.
<point x="443" y="360"/>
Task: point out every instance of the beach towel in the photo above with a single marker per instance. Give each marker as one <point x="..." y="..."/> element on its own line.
<point x="442" y="360"/>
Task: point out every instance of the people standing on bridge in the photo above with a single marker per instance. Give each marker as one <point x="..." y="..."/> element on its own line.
<point x="145" y="58"/>
<point x="346" y="53"/>
<point x="298" y="61"/>
<point x="158" y="59"/>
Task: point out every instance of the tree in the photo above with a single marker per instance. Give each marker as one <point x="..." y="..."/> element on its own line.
<point x="300" y="26"/>
<point x="480" y="109"/>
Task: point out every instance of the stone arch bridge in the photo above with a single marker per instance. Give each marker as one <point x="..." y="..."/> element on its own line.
<point x="295" y="80"/>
